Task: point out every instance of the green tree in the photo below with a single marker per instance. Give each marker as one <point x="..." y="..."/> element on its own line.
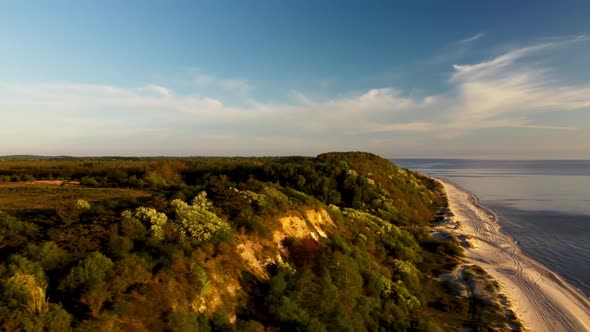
<point x="155" y="219"/>
<point x="88" y="280"/>
<point x="48" y="254"/>
<point x="196" y="220"/>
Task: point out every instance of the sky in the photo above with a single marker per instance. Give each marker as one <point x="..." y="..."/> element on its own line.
<point x="460" y="79"/>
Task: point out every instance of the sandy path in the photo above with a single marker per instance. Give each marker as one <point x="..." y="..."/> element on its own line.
<point x="542" y="300"/>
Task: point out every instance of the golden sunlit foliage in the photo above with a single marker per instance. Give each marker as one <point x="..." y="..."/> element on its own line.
<point x="334" y="243"/>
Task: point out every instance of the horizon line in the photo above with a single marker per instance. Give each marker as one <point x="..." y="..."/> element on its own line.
<point x="35" y="156"/>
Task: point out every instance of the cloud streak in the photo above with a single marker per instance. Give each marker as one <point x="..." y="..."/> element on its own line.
<point x="507" y="92"/>
<point x="471" y="39"/>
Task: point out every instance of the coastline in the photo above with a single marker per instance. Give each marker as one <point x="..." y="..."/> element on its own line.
<point x="542" y="300"/>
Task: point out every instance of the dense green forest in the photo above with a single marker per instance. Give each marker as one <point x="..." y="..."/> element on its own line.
<point x="339" y="242"/>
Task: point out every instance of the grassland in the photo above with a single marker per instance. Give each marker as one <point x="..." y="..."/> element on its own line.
<point x="17" y="196"/>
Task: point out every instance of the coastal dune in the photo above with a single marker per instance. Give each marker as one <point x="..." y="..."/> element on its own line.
<point x="541" y="299"/>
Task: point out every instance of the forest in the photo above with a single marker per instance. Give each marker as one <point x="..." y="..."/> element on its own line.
<point x="337" y="242"/>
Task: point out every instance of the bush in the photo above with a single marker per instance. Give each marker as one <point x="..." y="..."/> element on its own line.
<point x="133" y="229"/>
<point x="48" y="254"/>
<point x="24" y="286"/>
<point x="89" y="182"/>
<point x="127" y="272"/>
<point x="70" y="211"/>
<point x="155" y="219"/>
<point x="24" y="292"/>
<point x="182" y="320"/>
<point x="196" y="220"/>
<point x="10" y="226"/>
<point x="89" y="272"/>
<point x="119" y="246"/>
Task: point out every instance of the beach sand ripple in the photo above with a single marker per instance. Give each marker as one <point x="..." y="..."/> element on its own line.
<point x="542" y="300"/>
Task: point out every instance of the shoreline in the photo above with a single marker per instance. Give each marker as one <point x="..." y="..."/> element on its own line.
<point x="542" y="300"/>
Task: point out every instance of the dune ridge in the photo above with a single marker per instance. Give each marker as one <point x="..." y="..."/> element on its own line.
<point x="542" y="299"/>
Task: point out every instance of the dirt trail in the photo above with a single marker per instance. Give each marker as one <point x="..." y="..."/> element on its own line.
<point x="541" y="299"/>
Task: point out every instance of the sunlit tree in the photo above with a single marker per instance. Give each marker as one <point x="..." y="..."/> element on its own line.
<point x="197" y="220"/>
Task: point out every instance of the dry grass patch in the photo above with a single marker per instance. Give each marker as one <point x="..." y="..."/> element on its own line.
<point x="27" y="197"/>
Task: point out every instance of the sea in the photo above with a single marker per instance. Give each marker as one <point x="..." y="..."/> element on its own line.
<point x="542" y="204"/>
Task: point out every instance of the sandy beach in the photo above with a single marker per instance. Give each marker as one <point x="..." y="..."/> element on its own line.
<point x="542" y="300"/>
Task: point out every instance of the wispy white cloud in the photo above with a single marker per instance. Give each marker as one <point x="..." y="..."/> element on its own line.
<point x="507" y="91"/>
<point x="78" y="110"/>
<point x="507" y="88"/>
<point x="490" y="67"/>
<point x="452" y="52"/>
<point x="158" y="90"/>
<point x="472" y="38"/>
<point x="231" y="84"/>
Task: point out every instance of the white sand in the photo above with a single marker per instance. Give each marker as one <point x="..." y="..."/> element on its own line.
<point x="542" y="300"/>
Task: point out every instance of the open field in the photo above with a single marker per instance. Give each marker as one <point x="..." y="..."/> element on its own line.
<point x="39" y="183"/>
<point x="16" y="196"/>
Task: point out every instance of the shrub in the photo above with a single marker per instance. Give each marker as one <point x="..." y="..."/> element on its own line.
<point x="119" y="246"/>
<point x="10" y="226"/>
<point x="70" y="211"/>
<point x="87" y="279"/>
<point x="196" y="220"/>
<point x="24" y="286"/>
<point x="88" y="273"/>
<point x="82" y="204"/>
<point x="133" y="229"/>
<point x="25" y="292"/>
<point x="156" y="219"/>
<point x="181" y="320"/>
<point x="407" y="273"/>
<point x="89" y="181"/>
<point x="48" y="254"/>
<point x="127" y="272"/>
<point x="198" y="278"/>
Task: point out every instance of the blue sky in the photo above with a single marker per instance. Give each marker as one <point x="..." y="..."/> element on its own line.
<point x="467" y="79"/>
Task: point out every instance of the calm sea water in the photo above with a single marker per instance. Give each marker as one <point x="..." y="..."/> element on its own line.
<point x="544" y="204"/>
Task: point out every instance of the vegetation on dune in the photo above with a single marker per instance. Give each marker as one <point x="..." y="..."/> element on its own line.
<point x="337" y="242"/>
